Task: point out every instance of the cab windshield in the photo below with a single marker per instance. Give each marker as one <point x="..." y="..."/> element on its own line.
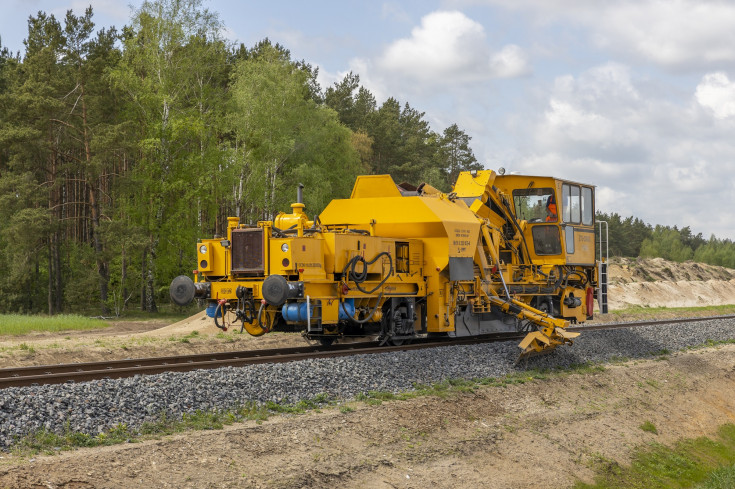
<point x="531" y="204"/>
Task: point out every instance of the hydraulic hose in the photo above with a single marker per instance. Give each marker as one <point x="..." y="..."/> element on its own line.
<point x="260" y="316"/>
<point x="349" y="272"/>
<point x="366" y="318"/>
<point x="360" y="277"/>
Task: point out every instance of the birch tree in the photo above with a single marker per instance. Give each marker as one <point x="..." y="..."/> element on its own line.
<point x="158" y="74"/>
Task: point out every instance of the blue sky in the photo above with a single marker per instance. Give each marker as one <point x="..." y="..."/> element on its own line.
<point x="634" y="96"/>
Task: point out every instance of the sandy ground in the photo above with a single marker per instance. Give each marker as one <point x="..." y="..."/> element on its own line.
<point x="537" y="434"/>
<point x="137" y="339"/>
<point x="659" y="283"/>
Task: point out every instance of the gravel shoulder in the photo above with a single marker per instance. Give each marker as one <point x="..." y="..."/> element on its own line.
<point x="538" y="434"/>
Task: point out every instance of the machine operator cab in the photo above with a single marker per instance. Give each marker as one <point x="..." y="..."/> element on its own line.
<point x="558" y="215"/>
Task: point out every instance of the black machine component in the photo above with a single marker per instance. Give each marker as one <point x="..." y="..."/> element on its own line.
<point x="183" y="290"/>
<point x="247" y="251"/>
<point x="572" y="301"/>
<point x="399" y="315"/>
<point x="277" y="290"/>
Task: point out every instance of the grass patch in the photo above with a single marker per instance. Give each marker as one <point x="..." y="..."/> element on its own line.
<point x="649" y="427"/>
<point x="227" y="338"/>
<point x="48" y="442"/>
<point x="722" y="478"/>
<point x="17" y="324"/>
<point x="711" y="343"/>
<point x="165" y="311"/>
<point x="642" y="312"/>
<point x="185" y="339"/>
<point x="617" y="359"/>
<point x="702" y="463"/>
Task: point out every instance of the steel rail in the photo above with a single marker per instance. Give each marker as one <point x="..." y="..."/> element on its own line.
<point x="115" y="369"/>
<point x="635" y="324"/>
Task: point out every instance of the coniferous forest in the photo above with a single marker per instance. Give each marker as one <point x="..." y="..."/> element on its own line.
<point x="120" y="147"/>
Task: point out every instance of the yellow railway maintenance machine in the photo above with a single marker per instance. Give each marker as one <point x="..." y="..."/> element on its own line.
<point x="500" y="253"/>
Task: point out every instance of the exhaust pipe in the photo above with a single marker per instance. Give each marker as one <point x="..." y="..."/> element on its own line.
<point x="300" y="193"/>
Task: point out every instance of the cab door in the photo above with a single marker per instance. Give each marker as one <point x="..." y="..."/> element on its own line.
<point x="577" y="211"/>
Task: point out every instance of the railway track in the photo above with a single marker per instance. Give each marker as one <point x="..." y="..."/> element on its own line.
<point x="81" y="372"/>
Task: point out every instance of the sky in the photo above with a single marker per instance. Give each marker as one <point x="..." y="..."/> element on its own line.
<point x="636" y="97"/>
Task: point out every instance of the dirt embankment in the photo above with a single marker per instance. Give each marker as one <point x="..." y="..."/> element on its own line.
<point x="655" y="282"/>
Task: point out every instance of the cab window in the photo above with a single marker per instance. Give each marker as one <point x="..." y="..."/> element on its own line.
<point x="546" y="240"/>
<point x="576" y="204"/>
<point x="532" y="204"/>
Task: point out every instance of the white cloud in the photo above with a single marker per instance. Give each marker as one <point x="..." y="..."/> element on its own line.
<point x="595" y="115"/>
<point x="395" y="12"/>
<point x="449" y="47"/>
<point x="509" y="62"/>
<point x="649" y="157"/>
<point x="675" y="34"/>
<point x="717" y="93"/>
<point x="119" y="12"/>
<point x="229" y="34"/>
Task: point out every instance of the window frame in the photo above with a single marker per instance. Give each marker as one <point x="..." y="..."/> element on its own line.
<point x="571" y="194"/>
<point x="589" y="208"/>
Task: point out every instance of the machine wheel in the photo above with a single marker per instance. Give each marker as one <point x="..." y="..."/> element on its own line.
<point x="543" y="304"/>
<point x="326" y="341"/>
<point x="399" y="342"/>
<point x="262" y="323"/>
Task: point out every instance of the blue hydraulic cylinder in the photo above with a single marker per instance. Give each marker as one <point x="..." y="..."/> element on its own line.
<point x="211" y="309"/>
<point x="295" y="312"/>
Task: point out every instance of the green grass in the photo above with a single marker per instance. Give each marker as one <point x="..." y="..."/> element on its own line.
<point x="649" y="427"/>
<point x="711" y="343"/>
<point x="165" y="311"/>
<point x="185" y="339"/>
<point x="701" y="463"/>
<point x="654" y="312"/>
<point x="722" y="478"/>
<point x="17" y="324"/>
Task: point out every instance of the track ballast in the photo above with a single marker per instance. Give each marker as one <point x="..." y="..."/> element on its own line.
<point x="98" y="405"/>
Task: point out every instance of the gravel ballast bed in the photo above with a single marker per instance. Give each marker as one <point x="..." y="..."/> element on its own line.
<point x="93" y="407"/>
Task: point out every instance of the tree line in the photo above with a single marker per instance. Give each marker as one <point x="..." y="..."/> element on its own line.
<point x="631" y="237"/>
<point x="119" y="148"/>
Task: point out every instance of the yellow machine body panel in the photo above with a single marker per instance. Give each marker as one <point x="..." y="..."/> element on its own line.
<point x="211" y="257"/>
<point x="375" y="186"/>
<point x="455" y="226"/>
<point x="303" y="256"/>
